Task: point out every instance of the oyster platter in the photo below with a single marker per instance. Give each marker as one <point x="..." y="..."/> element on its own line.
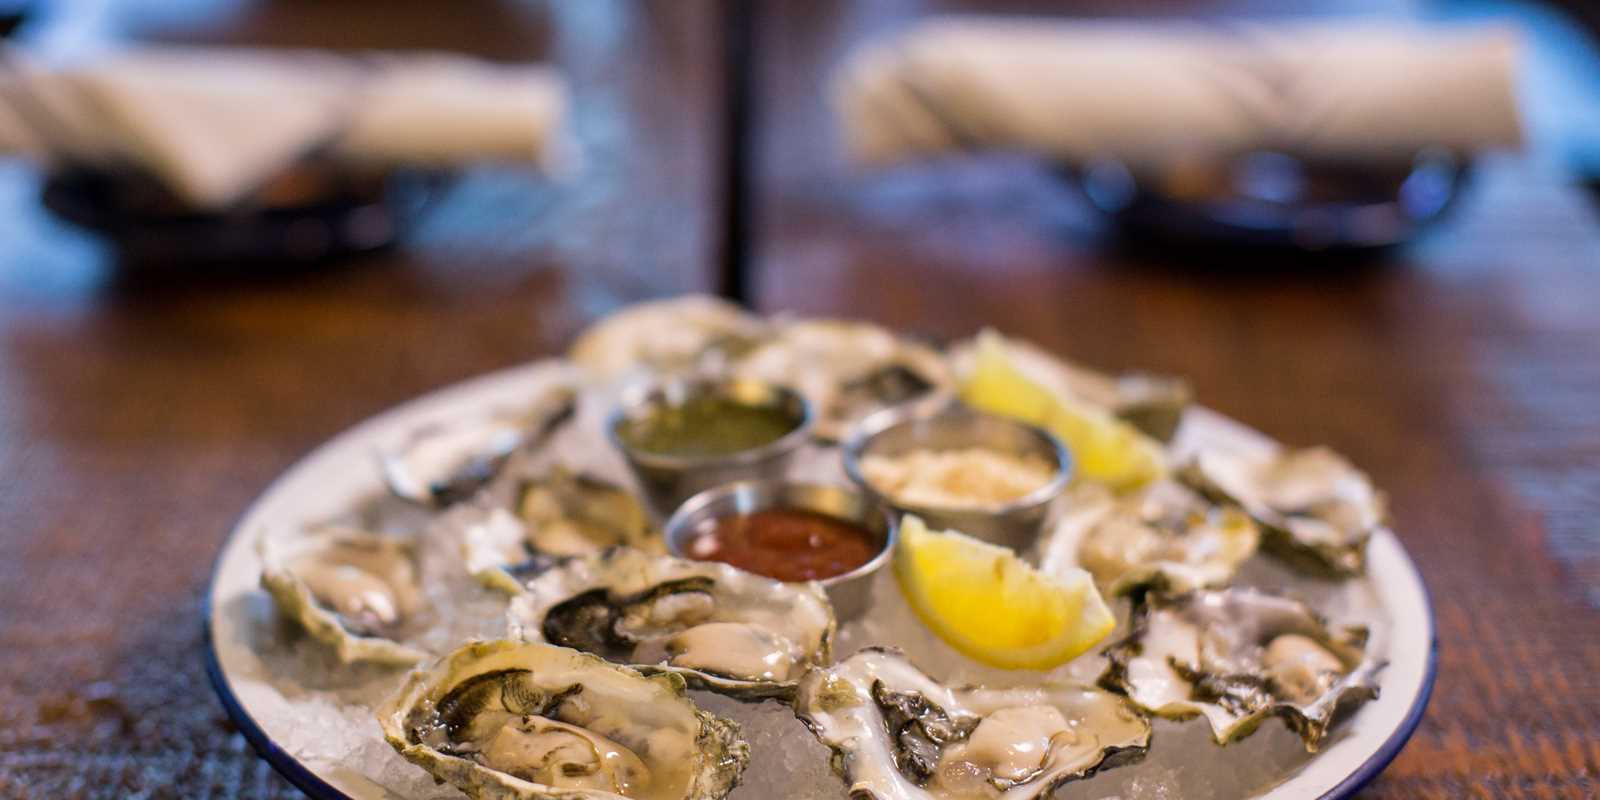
<point x="710" y="554"/>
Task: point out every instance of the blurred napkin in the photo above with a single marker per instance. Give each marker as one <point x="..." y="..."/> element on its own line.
<point x="215" y="124"/>
<point x="1153" y="92"/>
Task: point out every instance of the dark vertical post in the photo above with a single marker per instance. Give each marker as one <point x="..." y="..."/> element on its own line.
<point x="735" y="279"/>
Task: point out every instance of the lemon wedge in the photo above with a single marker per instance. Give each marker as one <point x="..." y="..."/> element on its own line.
<point x="991" y="605"/>
<point x="1106" y="448"/>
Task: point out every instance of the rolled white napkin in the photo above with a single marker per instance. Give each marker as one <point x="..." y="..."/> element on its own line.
<point x="216" y="124"/>
<point x="446" y="110"/>
<point x="1075" y="90"/>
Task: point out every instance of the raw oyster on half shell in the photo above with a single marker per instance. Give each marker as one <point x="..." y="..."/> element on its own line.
<point x="1239" y="656"/>
<point x="682" y="334"/>
<point x="354" y="591"/>
<point x="448" y="461"/>
<point x="556" y="515"/>
<point x="898" y="734"/>
<point x="723" y="629"/>
<point x="1164" y="537"/>
<point x="571" y="514"/>
<point x="1317" y="510"/>
<point x="847" y="370"/>
<point x="512" y="720"/>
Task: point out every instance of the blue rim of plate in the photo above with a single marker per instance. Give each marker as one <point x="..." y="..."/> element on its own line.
<point x="1396" y="742"/>
<point x="286" y="765"/>
<point x="282" y="762"/>
<point x="316" y="788"/>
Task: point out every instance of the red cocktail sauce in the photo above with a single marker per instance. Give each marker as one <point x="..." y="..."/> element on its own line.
<point x="788" y="545"/>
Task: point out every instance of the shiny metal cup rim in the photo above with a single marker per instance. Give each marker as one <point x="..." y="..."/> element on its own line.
<point x="645" y="396"/>
<point x="869" y="429"/>
<point x="772" y="494"/>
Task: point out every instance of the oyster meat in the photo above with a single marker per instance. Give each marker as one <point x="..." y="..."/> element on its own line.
<point x="723" y="629"/>
<point x="570" y="514"/>
<point x="680" y="334"/>
<point x="559" y="514"/>
<point x="512" y="720"/>
<point x="1317" y="510"/>
<point x="1237" y="657"/>
<point x="898" y="734"/>
<point x="1165" y="537"/>
<point x="446" y="462"/>
<point x="847" y="370"/>
<point x="355" y="591"/>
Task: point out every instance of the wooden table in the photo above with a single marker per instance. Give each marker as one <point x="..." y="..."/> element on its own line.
<point x="139" y="415"/>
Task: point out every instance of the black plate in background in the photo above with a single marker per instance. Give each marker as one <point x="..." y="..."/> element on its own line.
<point x="1270" y="200"/>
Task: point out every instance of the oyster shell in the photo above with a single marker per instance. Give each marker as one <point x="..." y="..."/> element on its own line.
<point x="723" y="629"/>
<point x="536" y="722"/>
<point x="1152" y="403"/>
<point x="1316" y="509"/>
<point x="1239" y="656"/>
<point x="898" y="734"/>
<point x="558" y="514"/>
<point x="448" y="461"/>
<point x="847" y="370"/>
<point x="354" y="591"/>
<point x="1165" y="537"/>
<point x="680" y="334"/>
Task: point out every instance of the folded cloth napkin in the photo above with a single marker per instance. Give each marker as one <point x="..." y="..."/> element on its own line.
<point x="1153" y="92"/>
<point x="216" y="124"/>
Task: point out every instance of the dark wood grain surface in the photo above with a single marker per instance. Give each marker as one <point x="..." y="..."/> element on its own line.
<point x="140" y="412"/>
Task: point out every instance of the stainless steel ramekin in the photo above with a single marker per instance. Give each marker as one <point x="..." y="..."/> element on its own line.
<point x="900" y="430"/>
<point x="668" y="480"/>
<point x="851" y="592"/>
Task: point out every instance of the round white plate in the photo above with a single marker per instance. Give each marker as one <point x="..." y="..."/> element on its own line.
<point x="343" y="470"/>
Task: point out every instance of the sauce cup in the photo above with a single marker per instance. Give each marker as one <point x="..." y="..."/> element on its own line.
<point x="898" y="431"/>
<point x="669" y="479"/>
<point x="851" y="592"/>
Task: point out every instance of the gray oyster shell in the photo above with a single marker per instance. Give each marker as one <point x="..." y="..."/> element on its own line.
<point x="847" y="370"/>
<point x="682" y="334"/>
<point x="898" y="734"/>
<point x="556" y="515"/>
<point x="1317" y="510"/>
<point x="1238" y="657"/>
<point x="721" y="628"/>
<point x="354" y="591"/>
<point x="508" y="720"/>
<point x="1165" y="538"/>
<point x="445" y="462"/>
<point x="1152" y="403"/>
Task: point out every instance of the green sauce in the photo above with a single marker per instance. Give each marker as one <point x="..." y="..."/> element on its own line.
<point x="706" y="427"/>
